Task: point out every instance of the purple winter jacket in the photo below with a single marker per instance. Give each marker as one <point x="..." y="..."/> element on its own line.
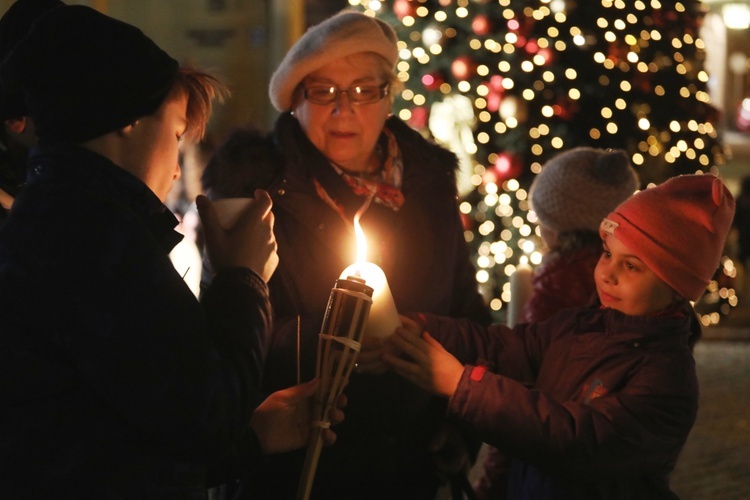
<point x="590" y="404"/>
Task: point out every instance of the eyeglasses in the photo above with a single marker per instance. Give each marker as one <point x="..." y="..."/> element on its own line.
<point x="358" y="94"/>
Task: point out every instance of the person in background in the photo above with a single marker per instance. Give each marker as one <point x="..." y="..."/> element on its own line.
<point x="571" y="195"/>
<point x="334" y="145"/>
<point x="17" y="131"/>
<point x="595" y="402"/>
<point x="115" y="382"/>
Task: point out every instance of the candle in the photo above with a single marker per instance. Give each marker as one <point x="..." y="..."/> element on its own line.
<point x="520" y="291"/>
<point x="383" y="318"/>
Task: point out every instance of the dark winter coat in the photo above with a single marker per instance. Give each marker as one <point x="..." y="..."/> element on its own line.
<point x="593" y="404"/>
<point x="12" y="167"/>
<point x="381" y="450"/>
<point x="114" y="381"/>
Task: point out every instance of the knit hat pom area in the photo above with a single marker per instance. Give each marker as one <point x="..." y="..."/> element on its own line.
<point x="678" y="229"/>
<point x="579" y="187"/>
<point x="346" y="33"/>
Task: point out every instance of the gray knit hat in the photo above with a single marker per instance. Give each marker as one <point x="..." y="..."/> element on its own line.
<point x="341" y="35"/>
<point x="578" y="188"/>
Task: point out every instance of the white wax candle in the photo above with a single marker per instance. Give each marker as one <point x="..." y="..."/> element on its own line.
<point x="520" y="291"/>
<point x="383" y="318"/>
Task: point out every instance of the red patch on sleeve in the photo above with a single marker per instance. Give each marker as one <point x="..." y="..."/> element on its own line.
<point x="477" y="373"/>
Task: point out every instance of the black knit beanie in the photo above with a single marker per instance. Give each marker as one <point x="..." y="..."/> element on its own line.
<point x="84" y="74"/>
<point x="14" y="25"/>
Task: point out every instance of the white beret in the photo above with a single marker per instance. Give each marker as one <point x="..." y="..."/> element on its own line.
<point x="341" y="35"/>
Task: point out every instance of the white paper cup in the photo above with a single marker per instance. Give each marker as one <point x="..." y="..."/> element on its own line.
<point x="230" y="209"/>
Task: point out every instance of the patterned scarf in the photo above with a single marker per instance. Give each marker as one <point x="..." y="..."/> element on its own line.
<point x="386" y="190"/>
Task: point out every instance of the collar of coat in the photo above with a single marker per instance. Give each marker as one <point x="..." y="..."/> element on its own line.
<point x="83" y="169"/>
<point x="659" y="331"/>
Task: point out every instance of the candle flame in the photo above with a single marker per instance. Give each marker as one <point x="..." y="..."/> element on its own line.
<point x="360" y="234"/>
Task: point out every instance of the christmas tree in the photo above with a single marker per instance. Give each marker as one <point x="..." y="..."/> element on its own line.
<point x="507" y="84"/>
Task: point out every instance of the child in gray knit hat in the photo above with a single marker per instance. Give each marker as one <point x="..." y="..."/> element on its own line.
<point x="571" y="195"/>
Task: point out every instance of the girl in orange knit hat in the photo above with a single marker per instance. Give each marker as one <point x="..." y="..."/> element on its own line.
<point x="595" y="402"/>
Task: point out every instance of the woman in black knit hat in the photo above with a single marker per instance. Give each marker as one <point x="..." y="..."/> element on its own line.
<point x="114" y="381"/>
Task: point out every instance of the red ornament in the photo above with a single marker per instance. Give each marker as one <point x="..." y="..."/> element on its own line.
<point x="642" y="82"/>
<point x="508" y="166"/>
<point x="495" y="93"/>
<point x="419" y="117"/>
<point x="480" y="25"/>
<point x="403" y="8"/>
<point x="527" y="27"/>
<point x="566" y="108"/>
<point x="616" y="52"/>
<point x="463" y="67"/>
<point x="433" y="81"/>
<point x="532" y="47"/>
<point x="547" y="54"/>
<point x="467" y="221"/>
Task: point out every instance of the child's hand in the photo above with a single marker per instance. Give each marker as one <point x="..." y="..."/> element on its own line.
<point x="370" y="358"/>
<point x="431" y="367"/>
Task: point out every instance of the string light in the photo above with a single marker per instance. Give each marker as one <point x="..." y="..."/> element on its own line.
<point x="541" y="78"/>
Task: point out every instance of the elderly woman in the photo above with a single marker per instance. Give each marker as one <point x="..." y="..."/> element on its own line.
<point x="335" y="144"/>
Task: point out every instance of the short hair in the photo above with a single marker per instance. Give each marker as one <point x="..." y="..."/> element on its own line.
<point x="201" y="89"/>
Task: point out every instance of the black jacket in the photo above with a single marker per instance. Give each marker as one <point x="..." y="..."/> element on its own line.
<point x="114" y="381"/>
<point x="12" y="167"/>
<point x="381" y="450"/>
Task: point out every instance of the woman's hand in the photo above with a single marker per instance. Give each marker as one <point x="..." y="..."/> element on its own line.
<point x="249" y="243"/>
<point x="427" y="364"/>
<point x="283" y="421"/>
